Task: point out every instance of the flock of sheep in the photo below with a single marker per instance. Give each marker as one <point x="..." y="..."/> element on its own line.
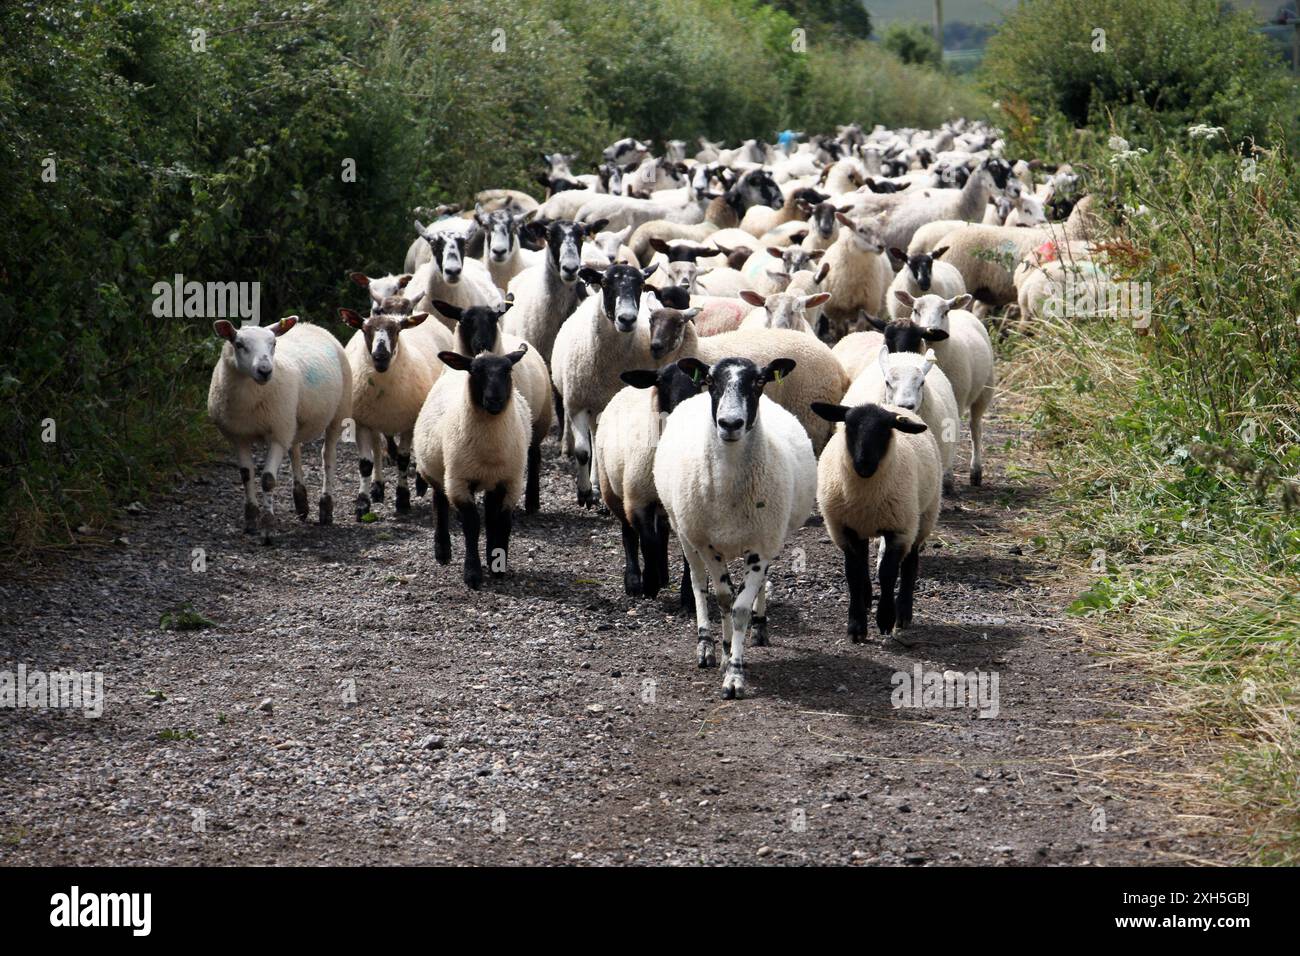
<point x="727" y="341"/>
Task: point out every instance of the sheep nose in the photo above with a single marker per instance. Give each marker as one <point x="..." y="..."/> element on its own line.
<point x="730" y="428"/>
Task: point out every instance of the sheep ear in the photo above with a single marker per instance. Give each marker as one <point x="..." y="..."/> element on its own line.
<point x="403" y="279"/>
<point x="347" y="315"/>
<point x="777" y="370"/>
<point x="360" y="278"/>
<point x="883" y="358"/>
<point x="905" y="297"/>
<point x="930" y="362"/>
<point x="640" y="378"/>
<point x="817" y="254"/>
<point x="690" y="314"/>
<point x="284" y="325"/>
<point x="933" y="335"/>
<point x="818" y="298"/>
<point x="224" y="329"/>
<point x="411" y="321"/>
<point x="649" y="270"/>
<point x="695" y="370"/>
<point x="823" y="272"/>
<point x="660" y="245"/>
<point x="898" y="255"/>
<point x="961" y="301"/>
<point x="844" y="220"/>
<point x="594" y="227"/>
<point x="507" y="304"/>
<point x="753" y="298"/>
<point x="460" y="363"/>
<point x="878" y="324"/>
<point x="938" y="252"/>
<point x="518" y="353"/>
<point x="453" y="312"/>
<point x="798" y="237"/>
<point x="419" y="228"/>
<point x="832" y="413"/>
<point x="775" y="251"/>
<point x="910" y="425"/>
<point x="590" y="275"/>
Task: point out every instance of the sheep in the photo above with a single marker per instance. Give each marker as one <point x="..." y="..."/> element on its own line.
<point x="607" y="248"/>
<point x="878" y="477"/>
<point x="630" y="427"/>
<point x="824" y="226"/>
<point x="478" y="331"/>
<point x="600" y="340"/>
<point x="798" y="206"/>
<point x="1062" y="288"/>
<point x="673" y="335"/>
<point x="392" y="373"/>
<point x="913" y="382"/>
<point x="859" y="276"/>
<point x="772" y="269"/>
<point x="472" y="434"/>
<point x="857" y="350"/>
<point x="919" y="274"/>
<point x="781" y="310"/>
<point x="283" y="399"/>
<point x="718" y="314"/>
<point x="504" y="257"/>
<point x="381" y="287"/>
<point x="547" y="294"/>
<point x="737" y="477"/>
<point x="755" y="187"/>
<point x="1026" y="210"/>
<point x="931" y="235"/>
<point x="966" y="357"/>
<point x="444" y="217"/>
<point x="449" y="276"/>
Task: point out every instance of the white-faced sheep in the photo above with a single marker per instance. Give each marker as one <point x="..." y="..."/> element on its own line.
<point x="737" y="476"/>
<point x="859" y="276"/>
<point x="595" y="345"/>
<point x="966" y="357"/>
<point x="629" y="432"/>
<point x="394" y="362"/>
<point x="282" y="384"/>
<point x="919" y="274"/>
<point x="913" y="382"/>
<point x="478" y="331"/>
<point x="879" y="477"/>
<point x="782" y="310"/>
<point x="473" y="435"/>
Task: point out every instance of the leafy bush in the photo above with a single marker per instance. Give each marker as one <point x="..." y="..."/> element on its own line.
<point x="1155" y="65"/>
<point x="912" y="43"/>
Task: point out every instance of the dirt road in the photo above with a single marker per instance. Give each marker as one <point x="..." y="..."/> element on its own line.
<point x="549" y="718"/>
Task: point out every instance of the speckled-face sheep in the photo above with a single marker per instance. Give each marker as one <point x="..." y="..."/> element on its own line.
<point x="283" y="384"/>
<point x="755" y="187"/>
<point x="919" y="274"/>
<point x="546" y="295"/>
<point x="737" y="476"/>
<point x="394" y="362"/>
<point x="821" y="378"/>
<point x="913" y="382"/>
<point x="629" y="432"/>
<point x="473" y="435"/>
<point x="782" y="310"/>
<point x="478" y="331"/>
<point x="966" y="357"/>
<point x="449" y="275"/>
<point x="597" y="343"/>
<point x="879" y="477"/>
<point x="859" y="276"/>
<point x="504" y="257"/>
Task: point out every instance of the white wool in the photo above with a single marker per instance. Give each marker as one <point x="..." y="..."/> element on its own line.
<point x="938" y="403"/>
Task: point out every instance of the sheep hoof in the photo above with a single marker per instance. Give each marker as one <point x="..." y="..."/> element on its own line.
<point x="532" y="502"/>
<point x="376" y="491"/>
<point x="442" y="552"/>
<point x="473" y="578"/>
<point x="403" y="499"/>
<point x="760" y="632"/>
<point x="250" y="518"/>
<point x="733" y="685"/>
<point x="976" y="477"/>
<point x="857" y="631"/>
<point x="705" y="653"/>
<point x="421" y="486"/>
<point x="363" y="507"/>
<point x="585" y="498"/>
<point x="300" y="500"/>
<point x="632" y="584"/>
<point x="327" y="509"/>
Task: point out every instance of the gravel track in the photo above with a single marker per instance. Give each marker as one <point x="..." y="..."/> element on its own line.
<point x="549" y="718"/>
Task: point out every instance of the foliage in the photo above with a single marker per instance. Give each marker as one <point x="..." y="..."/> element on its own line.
<point x="1155" y="66"/>
<point x="912" y="43"/>
<point x="849" y="18"/>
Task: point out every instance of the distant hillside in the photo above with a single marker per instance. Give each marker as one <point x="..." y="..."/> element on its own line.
<point x="990" y="11"/>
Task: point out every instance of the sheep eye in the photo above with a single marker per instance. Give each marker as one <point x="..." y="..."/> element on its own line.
<point x="239" y="345"/>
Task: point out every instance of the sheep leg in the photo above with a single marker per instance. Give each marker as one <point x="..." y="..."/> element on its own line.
<point x="329" y="464"/>
<point x="760" y="607"/>
<point x="706" y="656"/>
<point x="857" y="572"/>
<point x="646" y="525"/>
<point x="533" y="485"/>
<point x="560" y="427"/>
<point x="733" y="684"/>
<point x="274" y="456"/>
<point x="632" y="580"/>
<point x="907" y="586"/>
<point x="497" y="520"/>
<point x="977" y="436"/>
<point x="580" y="426"/>
<point x="299" y="486"/>
<point x="377" y="450"/>
<point x="469" y="524"/>
<point x="403" y="456"/>
<point x="722" y="591"/>
<point x="366" y="468"/>
<point x="244" y="452"/>
<point x="442" y="526"/>
<point x="886" y="613"/>
<point x="661" y="541"/>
